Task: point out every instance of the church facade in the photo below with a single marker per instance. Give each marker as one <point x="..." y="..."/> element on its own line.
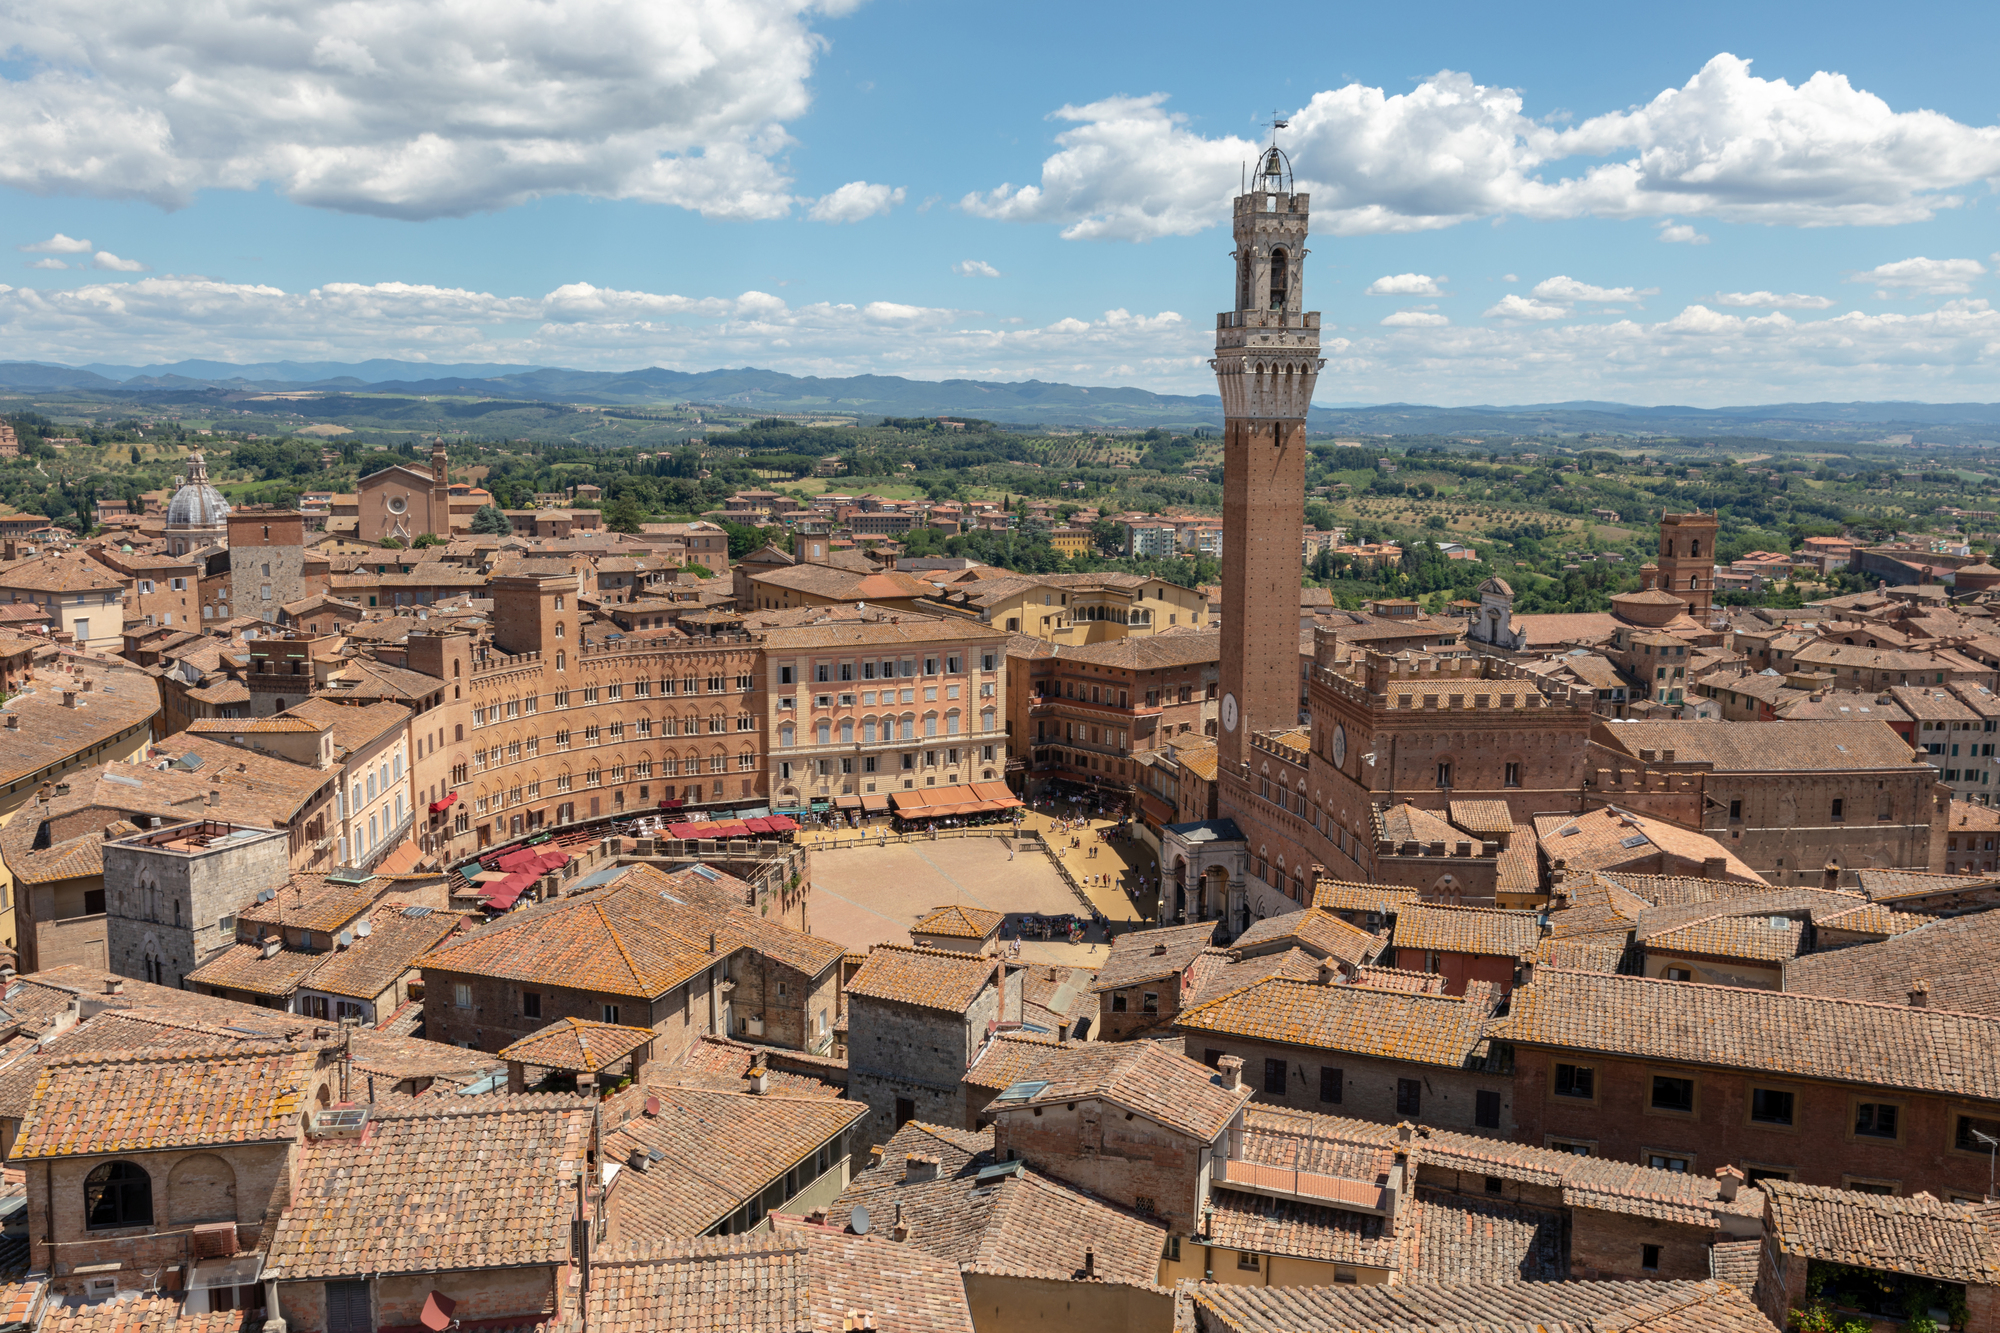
<point x="404" y="502"/>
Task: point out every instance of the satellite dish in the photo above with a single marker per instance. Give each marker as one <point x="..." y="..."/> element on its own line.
<point x="857" y="1221"/>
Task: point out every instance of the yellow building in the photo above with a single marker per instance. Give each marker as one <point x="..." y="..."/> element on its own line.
<point x="1076" y="609"/>
<point x="1071" y="542"/>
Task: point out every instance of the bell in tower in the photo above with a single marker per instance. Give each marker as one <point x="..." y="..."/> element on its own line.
<point x="1266" y="364"/>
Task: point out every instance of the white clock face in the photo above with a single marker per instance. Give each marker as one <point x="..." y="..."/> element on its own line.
<point x="1229" y="712"/>
<point x="1339" y="746"/>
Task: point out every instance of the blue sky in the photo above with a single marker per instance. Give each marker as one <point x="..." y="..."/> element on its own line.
<point x="1731" y="204"/>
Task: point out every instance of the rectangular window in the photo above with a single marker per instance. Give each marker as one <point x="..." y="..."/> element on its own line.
<point x="1117" y="1003"/>
<point x="1838" y="806"/>
<point x="1969" y="1132"/>
<point x="1579" y="1081"/>
<point x="461" y="995"/>
<point x="1649" y="1258"/>
<point x="1486" y="1109"/>
<point x="1673" y="1094"/>
<point x="1667" y="1161"/>
<point x="1409" y="1097"/>
<point x="1149" y="1002"/>
<point x="1513" y="776"/>
<point x="1329" y="1084"/>
<point x="1274" y="1077"/>
<point x="1770" y="1106"/>
<point x="1444" y="775"/>
<point x="611" y="1013"/>
<point x="1246" y="1260"/>
<point x="531" y="1004"/>
<point x="1876" y="1120"/>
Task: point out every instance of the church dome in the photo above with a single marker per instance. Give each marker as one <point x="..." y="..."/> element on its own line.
<point x="197" y="504"/>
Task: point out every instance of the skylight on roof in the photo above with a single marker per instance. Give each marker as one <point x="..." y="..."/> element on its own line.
<point x="1021" y="1092"/>
<point x="1636" y="840"/>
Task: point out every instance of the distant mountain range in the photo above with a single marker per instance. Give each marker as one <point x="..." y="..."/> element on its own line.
<point x="1028" y="402"/>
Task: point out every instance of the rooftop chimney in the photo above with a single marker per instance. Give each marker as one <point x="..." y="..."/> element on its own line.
<point x="900" y="1231"/>
<point x="69" y="698"/>
<point x="919" y="1167"/>
<point x="760" y="1079"/>
<point x="1089" y="1264"/>
<point x="1231" y="1069"/>
<point x="1727" y="1181"/>
<point x="13" y="721"/>
<point x="114" y="986"/>
<point x="1159" y="949"/>
<point x="1920" y="995"/>
<point x="639" y="1159"/>
<point x="1714" y="867"/>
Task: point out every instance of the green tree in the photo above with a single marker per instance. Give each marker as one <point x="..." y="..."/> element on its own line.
<point x="624" y="514"/>
<point x="490" y="521"/>
<point x="392" y="543"/>
<point x="1108" y="537"/>
<point x="427" y="539"/>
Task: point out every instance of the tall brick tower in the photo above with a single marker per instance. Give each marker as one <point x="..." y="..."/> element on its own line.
<point x="1266" y="362"/>
<point x="1687" y="560"/>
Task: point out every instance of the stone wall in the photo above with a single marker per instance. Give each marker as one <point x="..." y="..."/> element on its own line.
<point x="1368" y="1086"/>
<point x="1093" y="1146"/>
<point x="167" y="905"/>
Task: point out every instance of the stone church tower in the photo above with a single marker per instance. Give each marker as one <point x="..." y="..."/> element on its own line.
<point x="1266" y="362"/>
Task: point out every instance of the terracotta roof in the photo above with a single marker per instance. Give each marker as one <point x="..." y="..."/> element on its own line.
<point x="253" y="726"/>
<point x="1265" y="1225"/>
<point x="263" y="786"/>
<point x="1132" y="957"/>
<point x="1409" y="823"/>
<point x="1425" y="1303"/>
<point x="1337" y="895"/>
<point x="577" y="1045"/>
<point x="436" y="1187"/>
<point x="1227" y="972"/>
<point x="927" y="978"/>
<point x="146" y="1314"/>
<point x="1475" y="930"/>
<point x="1019" y="1219"/>
<point x="1391" y="1025"/>
<point x="1483" y="817"/>
<point x="50" y="734"/>
<point x="1919" y="1235"/>
<point x="355" y="727"/>
<point x="243" y="967"/>
<point x="396" y="943"/>
<point x="1746" y="938"/>
<point x="802" y="1279"/>
<point x="1606" y="839"/>
<point x="641" y="935"/>
<point x="1145" y="1078"/>
<point x="315" y="902"/>
<point x="968" y="923"/>
<point x="1314" y="929"/>
<point x="724" y="1064"/>
<point x="92" y="1104"/>
<point x="1953" y="955"/>
<point x="1764" y="747"/>
<point x="1394" y="978"/>
<point x="1464" y="1237"/>
<point x="1808" y="1036"/>
<point x="1892" y="885"/>
<point x="718" y="1150"/>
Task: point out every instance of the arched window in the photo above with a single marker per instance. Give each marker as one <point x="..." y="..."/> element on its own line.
<point x="1694" y="547"/>
<point x="1280" y="278"/>
<point x="117" y="1194"/>
<point x="561" y="658"/>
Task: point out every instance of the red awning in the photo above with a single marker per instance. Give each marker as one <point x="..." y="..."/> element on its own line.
<point x="447" y="803"/>
<point x="781" y="824"/>
<point x="758" y="825"/>
<point x="503" y="894"/>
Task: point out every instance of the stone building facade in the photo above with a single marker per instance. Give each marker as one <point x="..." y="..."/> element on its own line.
<point x="171" y="894"/>
<point x="916" y="1019"/>
<point x="267" y="561"/>
<point x="865" y="703"/>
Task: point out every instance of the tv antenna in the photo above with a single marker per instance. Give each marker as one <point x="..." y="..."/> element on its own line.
<point x="1992" y="1147"/>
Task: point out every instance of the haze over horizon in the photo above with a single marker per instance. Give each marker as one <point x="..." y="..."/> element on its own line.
<point x="1729" y="209"/>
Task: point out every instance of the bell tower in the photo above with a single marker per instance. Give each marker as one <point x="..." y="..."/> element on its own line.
<point x="1687" y="560"/>
<point x="1266" y="363"/>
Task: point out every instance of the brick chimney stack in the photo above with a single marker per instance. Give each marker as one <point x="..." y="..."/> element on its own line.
<point x="1920" y="995"/>
<point x="1231" y="1069"/>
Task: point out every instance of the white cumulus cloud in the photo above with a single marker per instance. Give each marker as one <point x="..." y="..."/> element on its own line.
<point x="106" y="260"/>
<point x="1726" y="144"/>
<point x="1415" y="319"/>
<point x="975" y="268"/>
<point x="1680" y="233"/>
<point x="1512" y="306"/>
<point x="1405" y="284"/>
<point x="48" y="262"/>
<point x="411" y="110"/>
<point x="1924" y="277"/>
<point x="58" y="244"/>
<point x="1563" y="288"/>
<point x="854" y="201"/>
<point x="1773" y="300"/>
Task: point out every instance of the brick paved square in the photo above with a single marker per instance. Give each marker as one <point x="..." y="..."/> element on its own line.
<point x="865" y="895"/>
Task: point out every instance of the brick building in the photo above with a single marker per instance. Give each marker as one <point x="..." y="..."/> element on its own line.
<point x="1786" y="798"/>
<point x="1464" y="944"/>
<point x="1818" y="1090"/>
<point x="1089" y="712"/>
<point x="1146" y="976"/>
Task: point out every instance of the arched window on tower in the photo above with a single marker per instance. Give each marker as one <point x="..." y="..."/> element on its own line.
<point x="1694" y="547"/>
<point x="1280" y="279"/>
